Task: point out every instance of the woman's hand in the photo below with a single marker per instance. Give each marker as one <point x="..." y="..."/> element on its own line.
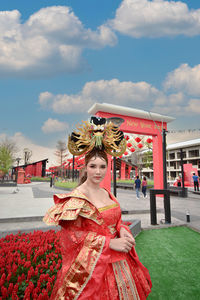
<point x="123" y="244"/>
<point x="125" y="233"/>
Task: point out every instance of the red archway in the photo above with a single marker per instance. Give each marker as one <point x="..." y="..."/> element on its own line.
<point x="138" y="122"/>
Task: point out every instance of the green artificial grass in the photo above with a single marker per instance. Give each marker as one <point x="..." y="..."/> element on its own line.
<point x="172" y="256"/>
<point x="67" y="184"/>
<point x="40" y="179"/>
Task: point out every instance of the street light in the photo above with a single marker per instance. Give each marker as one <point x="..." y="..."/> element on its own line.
<point x="17" y="160"/>
<point x="116" y="121"/>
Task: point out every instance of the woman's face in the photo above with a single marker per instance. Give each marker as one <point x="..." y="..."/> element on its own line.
<point x="96" y="169"/>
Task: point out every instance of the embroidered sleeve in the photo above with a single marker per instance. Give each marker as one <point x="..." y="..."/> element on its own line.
<point x="84" y="253"/>
<point x="68" y="209"/>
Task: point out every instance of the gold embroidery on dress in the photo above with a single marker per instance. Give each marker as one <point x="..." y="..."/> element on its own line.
<point x="125" y="282"/>
<point x="107" y="207"/>
<point x="76" y="204"/>
<point x="90" y="250"/>
<point x="112" y="228"/>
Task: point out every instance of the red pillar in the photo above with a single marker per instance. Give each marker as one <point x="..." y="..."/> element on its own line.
<point x="136" y="171"/>
<point x="129" y="171"/>
<point x="123" y="170"/>
<point x="106" y="183"/>
<point x="158" y="161"/>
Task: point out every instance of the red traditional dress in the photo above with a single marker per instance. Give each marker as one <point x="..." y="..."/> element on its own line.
<point x="90" y="269"/>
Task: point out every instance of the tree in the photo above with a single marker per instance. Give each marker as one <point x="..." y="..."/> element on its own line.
<point x="7" y="153"/>
<point x="148" y="159"/>
<point x="61" y="153"/>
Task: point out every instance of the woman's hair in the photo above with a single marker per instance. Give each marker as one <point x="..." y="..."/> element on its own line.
<point x="94" y="153"/>
<point x="144" y="178"/>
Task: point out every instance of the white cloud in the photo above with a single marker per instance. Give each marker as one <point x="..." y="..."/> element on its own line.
<point x="50" y="41"/>
<point x="193" y="106"/>
<point x="127" y="93"/>
<point x="53" y="125"/>
<point x="156" y="18"/>
<point x="112" y="91"/>
<point x="38" y="152"/>
<point x="45" y="99"/>
<point x="184" y="78"/>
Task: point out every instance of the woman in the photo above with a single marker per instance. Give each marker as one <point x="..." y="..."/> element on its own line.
<point x="144" y="187"/>
<point x="99" y="258"/>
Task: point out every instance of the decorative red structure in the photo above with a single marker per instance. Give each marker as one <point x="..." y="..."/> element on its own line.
<point x="20" y="176"/>
<point x="37" y="168"/>
<point x="137" y="122"/>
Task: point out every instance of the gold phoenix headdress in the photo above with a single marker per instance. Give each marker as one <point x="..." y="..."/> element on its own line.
<point x="99" y="134"/>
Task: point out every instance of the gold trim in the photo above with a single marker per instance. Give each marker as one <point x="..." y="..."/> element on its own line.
<point x="82" y="267"/>
<point x="107" y="207"/>
<point x="92" y="269"/>
<point x="125" y="282"/>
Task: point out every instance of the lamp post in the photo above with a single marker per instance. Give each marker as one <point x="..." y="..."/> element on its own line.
<point x="116" y="121"/>
<point x="164" y="159"/>
<point x="17" y="160"/>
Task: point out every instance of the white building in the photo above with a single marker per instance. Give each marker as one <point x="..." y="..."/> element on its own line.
<point x="191" y="155"/>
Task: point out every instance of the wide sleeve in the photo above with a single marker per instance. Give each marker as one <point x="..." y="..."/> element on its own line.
<point x="86" y="255"/>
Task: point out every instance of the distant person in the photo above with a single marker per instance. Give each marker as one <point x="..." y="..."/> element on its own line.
<point x="196" y="182"/>
<point x="178" y="181"/>
<point x="137" y="186"/>
<point x="144" y="187"/>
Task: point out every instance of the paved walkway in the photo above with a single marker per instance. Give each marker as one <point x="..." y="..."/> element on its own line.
<point x="23" y="207"/>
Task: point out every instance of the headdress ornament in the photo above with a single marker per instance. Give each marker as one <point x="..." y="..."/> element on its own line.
<point x="98" y="133"/>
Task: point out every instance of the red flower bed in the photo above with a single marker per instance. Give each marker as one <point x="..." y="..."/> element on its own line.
<point x="29" y="264"/>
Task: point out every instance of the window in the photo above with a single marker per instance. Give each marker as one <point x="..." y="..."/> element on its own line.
<point x="193" y="153"/>
<point x="172" y="155"/>
<point x="173" y="164"/>
<point x="179" y="154"/>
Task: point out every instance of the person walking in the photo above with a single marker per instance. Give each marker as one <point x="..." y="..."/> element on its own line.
<point x="144" y="187"/>
<point x="137" y="186"/>
<point x="196" y="182"/>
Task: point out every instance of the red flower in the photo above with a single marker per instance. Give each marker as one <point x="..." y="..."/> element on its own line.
<point x="129" y="145"/>
<point x="132" y="149"/>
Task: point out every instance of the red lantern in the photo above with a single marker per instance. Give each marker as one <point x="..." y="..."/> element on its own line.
<point x="149" y="141"/>
<point x="132" y="149"/>
<point x="126" y="153"/>
<point x="127" y="137"/>
<point x="140" y="146"/>
<point x="137" y="139"/>
<point x="129" y="145"/>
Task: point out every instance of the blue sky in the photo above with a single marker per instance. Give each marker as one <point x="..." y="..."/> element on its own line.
<point x="57" y="58"/>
